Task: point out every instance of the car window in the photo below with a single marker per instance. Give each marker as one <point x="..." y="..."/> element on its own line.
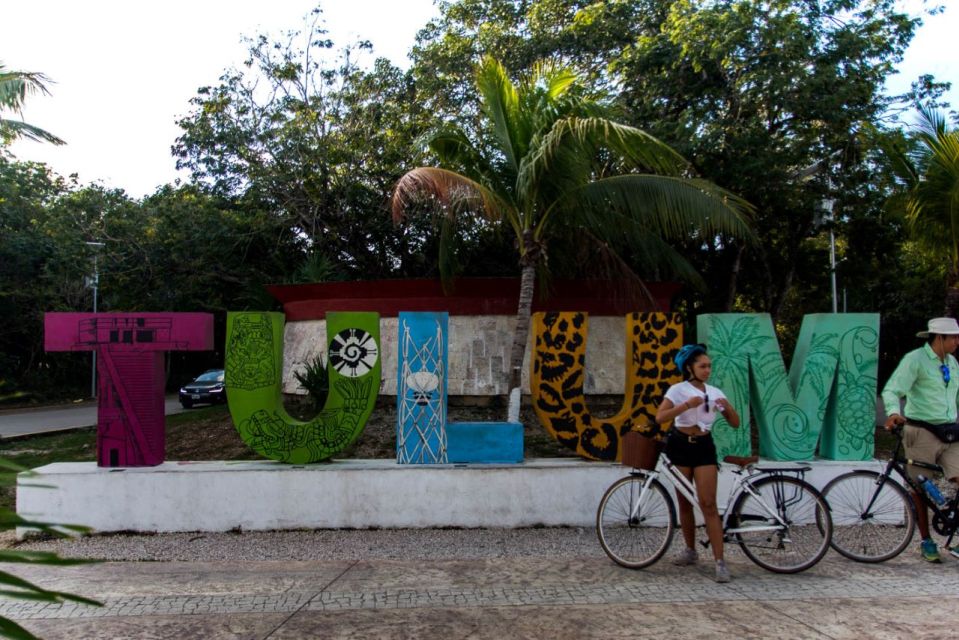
<point x="211" y="376"/>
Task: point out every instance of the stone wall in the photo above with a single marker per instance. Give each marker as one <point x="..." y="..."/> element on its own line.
<point x="478" y="354"/>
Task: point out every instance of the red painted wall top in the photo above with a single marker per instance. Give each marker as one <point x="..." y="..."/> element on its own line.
<point x="469" y="296"/>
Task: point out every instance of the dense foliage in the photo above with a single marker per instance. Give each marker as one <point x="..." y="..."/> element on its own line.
<point x="548" y="163"/>
<point x="293" y="156"/>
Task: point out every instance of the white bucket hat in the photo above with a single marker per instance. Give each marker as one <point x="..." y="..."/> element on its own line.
<point x="940" y="326"/>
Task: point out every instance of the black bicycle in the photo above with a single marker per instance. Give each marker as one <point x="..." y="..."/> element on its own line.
<point x="873" y="515"/>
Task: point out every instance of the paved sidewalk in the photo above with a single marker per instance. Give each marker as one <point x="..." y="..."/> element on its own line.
<point x="532" y="594"/>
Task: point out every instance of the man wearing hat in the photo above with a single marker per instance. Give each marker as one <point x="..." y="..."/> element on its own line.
<point x="928" y="378"/>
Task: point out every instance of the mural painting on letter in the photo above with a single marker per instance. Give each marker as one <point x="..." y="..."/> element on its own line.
<point x="130" y="347"/>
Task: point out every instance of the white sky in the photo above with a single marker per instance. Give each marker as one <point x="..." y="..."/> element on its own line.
<point x="125" y="70"/>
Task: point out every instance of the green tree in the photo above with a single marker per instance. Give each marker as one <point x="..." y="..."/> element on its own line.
<point x="754" y="92"/>
<point x="25" y="254"/>
<point x="548" y="161"/>
<point x="750" y="91"/>
<point x="38" y="273"/>
<point x="931" y="200"/>
<point x="318" y="141"/>
<point x="583" y="34"/>
<point x="184" y="249"/>
<point x="15" y="86"/>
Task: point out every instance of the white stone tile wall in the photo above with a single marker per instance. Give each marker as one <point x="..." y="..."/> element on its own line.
<point x="478" y="354"/>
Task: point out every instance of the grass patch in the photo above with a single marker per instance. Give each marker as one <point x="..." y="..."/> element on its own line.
<point x="201" y="414"/>
<point x="36" y="451"/>
<point x="78" y="445"/>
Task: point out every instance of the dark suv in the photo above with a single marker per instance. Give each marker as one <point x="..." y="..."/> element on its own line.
<point x="206" y="389"/>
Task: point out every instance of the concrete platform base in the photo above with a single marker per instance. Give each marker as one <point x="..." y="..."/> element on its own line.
<point x="264" y="495"/>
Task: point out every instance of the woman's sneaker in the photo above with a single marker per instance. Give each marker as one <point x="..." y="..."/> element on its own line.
<point x="722" y="573"/>
<point x="685" y="558"/>
<point x="929" y="551"/>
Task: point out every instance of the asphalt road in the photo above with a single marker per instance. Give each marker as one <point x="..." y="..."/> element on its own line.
<point x="22" y="422"/>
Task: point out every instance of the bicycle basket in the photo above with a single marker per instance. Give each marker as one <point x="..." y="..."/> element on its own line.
<point x="641" y="451"/>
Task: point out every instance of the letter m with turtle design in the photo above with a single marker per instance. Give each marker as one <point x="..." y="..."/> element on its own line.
<point x="254" y="366"/>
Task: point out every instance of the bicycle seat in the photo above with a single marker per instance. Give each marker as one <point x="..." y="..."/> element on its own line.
<point x="742" y="461"/>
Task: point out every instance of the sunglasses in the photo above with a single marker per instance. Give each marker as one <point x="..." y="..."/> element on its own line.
<point x="945" y="373"/>
<point x="706" y="402"/>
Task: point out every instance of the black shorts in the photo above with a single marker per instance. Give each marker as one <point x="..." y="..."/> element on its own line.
<point x="683" y="453"/>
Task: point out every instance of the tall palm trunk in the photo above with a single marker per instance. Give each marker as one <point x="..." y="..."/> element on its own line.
<point x="952" y="296"/>
<point x="734" y="279"/>
<point x="521" y="332"/>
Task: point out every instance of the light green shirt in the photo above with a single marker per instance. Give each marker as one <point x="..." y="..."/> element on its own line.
<point x="918" y="379"/>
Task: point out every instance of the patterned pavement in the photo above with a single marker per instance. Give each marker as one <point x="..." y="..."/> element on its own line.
<point x="492" y="597"/>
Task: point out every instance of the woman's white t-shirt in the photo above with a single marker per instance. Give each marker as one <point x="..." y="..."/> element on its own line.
<point x="695" y="416"/>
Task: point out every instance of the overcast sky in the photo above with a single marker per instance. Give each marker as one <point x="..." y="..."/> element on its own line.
<point x="124" y="71"/>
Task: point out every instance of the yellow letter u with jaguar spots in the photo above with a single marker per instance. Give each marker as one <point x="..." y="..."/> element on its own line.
<point x="558" y="375"/>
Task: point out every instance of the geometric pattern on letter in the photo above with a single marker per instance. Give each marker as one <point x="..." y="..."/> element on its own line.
<point x="131" y="425"/>
<point x="421" y="388"/>
<point x="254" y="363"/>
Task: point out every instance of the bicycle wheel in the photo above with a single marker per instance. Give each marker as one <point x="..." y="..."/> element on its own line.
<point x="792" y="548"/>
<point x="871" y="522"/>
<point x="635" y="536"/>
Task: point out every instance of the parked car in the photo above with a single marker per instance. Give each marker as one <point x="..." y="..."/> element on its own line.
<point x="207" y="388"/>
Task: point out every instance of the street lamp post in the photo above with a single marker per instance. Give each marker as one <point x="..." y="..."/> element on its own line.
<point x="831" y="205"/>
<point x="94" y="283"/>
<point x="804" y="175"/>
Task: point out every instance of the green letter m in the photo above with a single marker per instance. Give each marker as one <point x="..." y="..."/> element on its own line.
<point x="830" y="388"/>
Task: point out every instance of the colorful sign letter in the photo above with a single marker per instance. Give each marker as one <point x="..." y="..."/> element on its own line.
<point x="558" y="374"/>
<point x="131" y="425"/>
<point x="421" y="388"/>
<point x="254" y="365"/>
<point x="830" y="390"/>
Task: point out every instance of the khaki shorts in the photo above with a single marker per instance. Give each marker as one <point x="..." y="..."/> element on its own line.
<point x="923" y="446"/>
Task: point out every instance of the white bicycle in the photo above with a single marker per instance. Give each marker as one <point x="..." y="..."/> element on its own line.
<point x="781" y="522"/>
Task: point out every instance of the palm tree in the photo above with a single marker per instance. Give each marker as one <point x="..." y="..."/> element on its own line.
<point x="550" y="161"/>
<point x="15" y="86"/>
<point x="930" y="170"/>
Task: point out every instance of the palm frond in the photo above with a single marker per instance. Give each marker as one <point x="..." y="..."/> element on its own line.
<point x="455" y="192"/>
<point x="576" y="137"/>
<point x="500" y="102"/>
<point x="896" y="151"/>
<point x="556" y="79"/>
<point x="650" y="253"/>
<point x="932" y="124"/>
<point x="932" y="202"/>
<point x="640" y="204"/>
<point x="456" y="152"/>
<point x="655" y="255"/>
<point x="10" y="129"/>
<point x="15" y="86"/>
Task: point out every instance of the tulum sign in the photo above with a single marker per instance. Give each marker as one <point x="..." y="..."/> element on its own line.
<point x="824" y="403"/>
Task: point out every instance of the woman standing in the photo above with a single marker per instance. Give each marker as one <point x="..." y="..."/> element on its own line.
<point x="693" y="406"/>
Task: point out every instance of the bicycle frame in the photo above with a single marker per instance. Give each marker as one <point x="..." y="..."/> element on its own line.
<point x="781" y="522"/>
<point x="898" y="464"/>
<point x="742" y="483"/>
